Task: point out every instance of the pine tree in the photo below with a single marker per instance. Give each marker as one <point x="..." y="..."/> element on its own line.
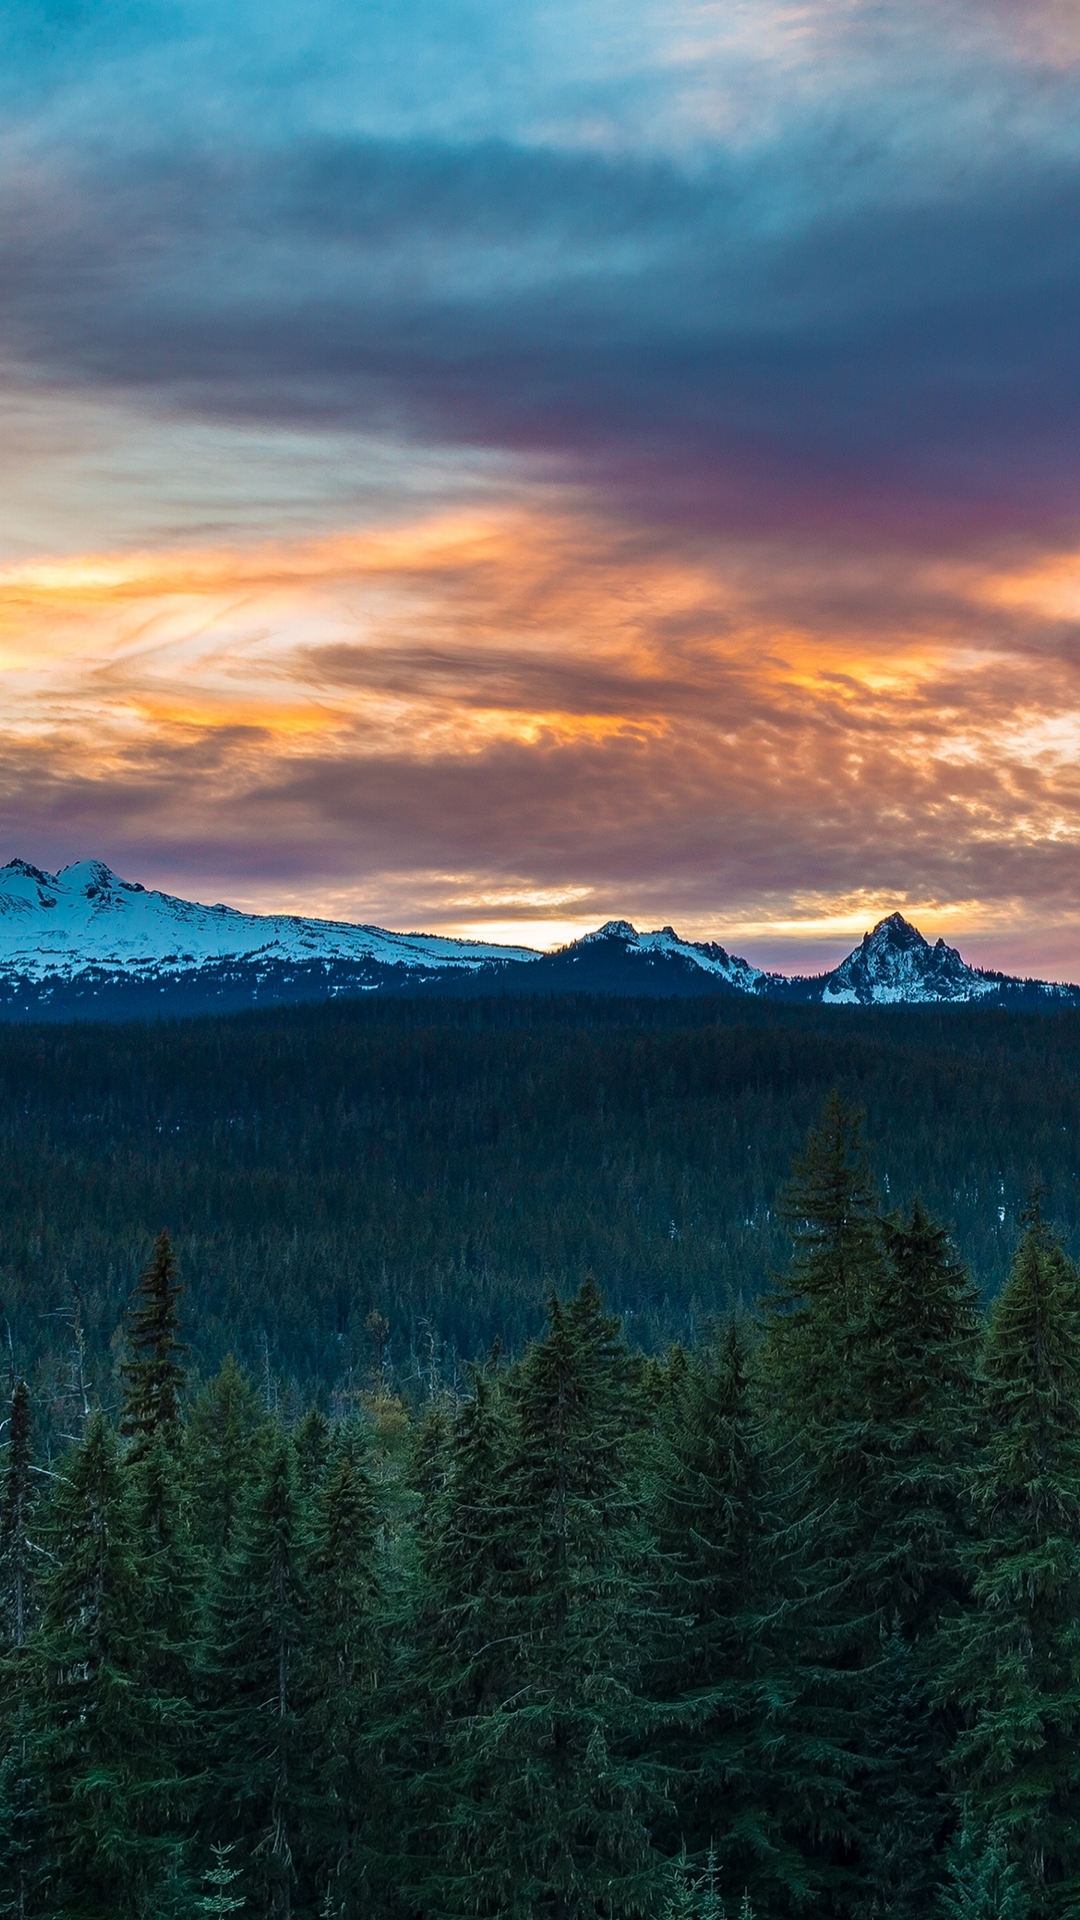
<point x="218" y="1879"/>
<point x="311" y="1438"/>
<point x="152" y="1374"/>
<point x="109" y="1803"/>
<point x="17" y="1614"/>
<point x="459" y="1661"/>
<point x="1013" y="1663"/>
<point x="255" y="1666"/>
<point x="554" y="1796"/>
<point x="983" y="1883"/>
<point x="221" y="1456"/>
<point x="16" y="1514"/>
<point x="812" y="1375"/>
<point x="718" y="1520"/>
<point x="903" y="1807"/>
<point x="344" y="1665"/>
<point x="871" y="1348"/>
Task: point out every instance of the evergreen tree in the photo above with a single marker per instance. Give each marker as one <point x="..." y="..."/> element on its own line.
<point x="221" y="1455"/>
<point x="983" y="1884"/>
<point x="903" y="1807"/>
<point x="16" y="1514"/>
<point x="311" y="1438"/>
<point x="152" y="1374"/>
<point x="554" y="1799"/>
<point x="343" y="1668"/>
<point x="109" y="1801"/>
<point x="1013" y="1663"/>
<point x="218" y="1879"/>
<point x="718" y="1521"/>
<point x="255" y="1662"/>
<point x="459" y="1658"/>
<point x="812" y="1376"/>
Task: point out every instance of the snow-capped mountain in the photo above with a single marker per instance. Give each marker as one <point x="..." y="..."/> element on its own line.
<point x="55" y="925"/>
<point x="895" y="964"/>
<point x="84" y="943"/>
<point x="703" y="957"/>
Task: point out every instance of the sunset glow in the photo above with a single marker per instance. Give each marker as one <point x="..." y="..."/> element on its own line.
<point x="635" y="477"/>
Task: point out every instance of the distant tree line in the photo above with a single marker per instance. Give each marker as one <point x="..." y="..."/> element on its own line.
<point x="433" y="1171"/>
<point x="787" y="1623"/>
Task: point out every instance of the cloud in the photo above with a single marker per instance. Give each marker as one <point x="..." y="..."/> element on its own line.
<point x="534" y="704"/>
<point x="558" y="453"/>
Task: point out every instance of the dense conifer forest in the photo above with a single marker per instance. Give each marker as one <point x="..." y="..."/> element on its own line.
<point x="398" y="1186"/>
<point x="783" y="1622"/>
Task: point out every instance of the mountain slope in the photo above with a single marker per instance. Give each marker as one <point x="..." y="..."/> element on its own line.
<point x="896" y="965"/>
<point x="82" y="943"/>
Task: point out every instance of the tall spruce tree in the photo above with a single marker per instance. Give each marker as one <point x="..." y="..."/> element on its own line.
<point x="110" y="1802"/>
<point x="554" y="1795"/>
<point x="718" y="1525"/>
<point x="1012" y="1664"/>
<point x="255" y="1664"/>
<point x="17" y="1614"/>
<point x="16" y="1516"/>
<point x="343" y="1671"/>
<point x="870" y="1350"/>
<point x="458" y="1657"/>
<point x="221" y="1455"/>
<point x="153" y="1375"/>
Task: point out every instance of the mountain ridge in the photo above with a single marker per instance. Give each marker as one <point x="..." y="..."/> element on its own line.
<point x="84" y="943"/>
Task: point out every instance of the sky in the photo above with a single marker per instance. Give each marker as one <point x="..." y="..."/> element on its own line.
<point x="491" y="469"/>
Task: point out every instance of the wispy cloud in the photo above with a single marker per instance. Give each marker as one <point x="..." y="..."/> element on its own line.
<point x="478" y="715"/>
<point x="473" y="462"/>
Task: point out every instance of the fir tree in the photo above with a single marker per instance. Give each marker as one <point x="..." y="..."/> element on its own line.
<point x="16" y="1512"/>
<point x="255" y="1664"/>
<point x="110" y="1802"/>
<point x="872" y="1347"/>
<point x="152" y="1374"/>
<point x="221" y="1454"/>
<point x="554" y="1798"/>
<point x="311" y="1438"/>
<point x="343" y="1666"/>
<point x="218" y="1879"/>
<point x="903" y="1807"/>
<point x="1013" y="1663"/>
<point x="983" y="1884"/>
<point x="459" y="1660"/>
<point x="718" y="1519"/>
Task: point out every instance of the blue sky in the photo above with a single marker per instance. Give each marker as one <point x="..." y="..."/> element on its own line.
<point x="545" y="461"/>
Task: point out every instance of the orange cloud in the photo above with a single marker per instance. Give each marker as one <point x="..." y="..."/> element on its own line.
<point x="541" y="706"/>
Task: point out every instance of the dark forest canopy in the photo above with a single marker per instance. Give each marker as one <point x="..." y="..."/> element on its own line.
<point x="783" y="1624"/>
<point x="413" y="1179"/>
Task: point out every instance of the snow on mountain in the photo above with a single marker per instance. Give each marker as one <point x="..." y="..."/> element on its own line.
<point x="58" y="925"/>
<point x="707" y="955"/>
<point x="82" y="941"/>
<point x="896" y="965"/>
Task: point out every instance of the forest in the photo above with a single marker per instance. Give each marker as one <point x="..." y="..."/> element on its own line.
<point x="785" y="1622"/>
<point x="394" y="1187"/>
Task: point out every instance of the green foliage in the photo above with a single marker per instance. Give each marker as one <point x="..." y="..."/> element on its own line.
<point x="258" y="1756"/>
<point x="983" y="1883"/>
<point x="440" y="1165"/>
<point x="552" y="1796"/>
<point x="17" y="1505"/>
<point x="110" y="1794"/>
<point x="791" y="1615"/>
<point x="218" y="1879"/>
<point x="1012" y="1662"/>
<point x="152" y="1375"/>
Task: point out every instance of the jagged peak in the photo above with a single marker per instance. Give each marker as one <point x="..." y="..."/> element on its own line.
<point x="895" y="928"/>
<point x="611" y="930"/>
<point x="27" y="871"/>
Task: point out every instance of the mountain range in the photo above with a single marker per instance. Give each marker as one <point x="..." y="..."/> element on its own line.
<point x="83" y="943"/>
